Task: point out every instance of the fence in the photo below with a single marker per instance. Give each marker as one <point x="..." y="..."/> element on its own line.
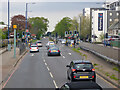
<point x="106" y="51"/>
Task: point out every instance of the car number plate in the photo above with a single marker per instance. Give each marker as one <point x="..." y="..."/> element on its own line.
<point x="54" y="51"/>
<point x="83" y="76"/>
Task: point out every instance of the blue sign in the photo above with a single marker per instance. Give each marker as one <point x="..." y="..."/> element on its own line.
<point x="100" y="21"/>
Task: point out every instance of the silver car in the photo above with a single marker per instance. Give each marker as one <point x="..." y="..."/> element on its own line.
<point x="34" y="48"/>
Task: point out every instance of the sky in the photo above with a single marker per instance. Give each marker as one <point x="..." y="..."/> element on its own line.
<point x="54" y="10"/>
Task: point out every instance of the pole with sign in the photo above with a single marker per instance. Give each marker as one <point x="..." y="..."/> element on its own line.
<point x="14" y="26"/>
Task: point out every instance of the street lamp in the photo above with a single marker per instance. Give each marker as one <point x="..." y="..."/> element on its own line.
<point x="26" y="26"/>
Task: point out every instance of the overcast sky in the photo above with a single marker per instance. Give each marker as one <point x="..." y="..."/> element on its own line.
<point x="54" y="10"/>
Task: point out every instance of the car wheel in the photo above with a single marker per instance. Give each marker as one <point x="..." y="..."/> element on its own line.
<point x="94" y="80"/>
<point x="30" y="52"/>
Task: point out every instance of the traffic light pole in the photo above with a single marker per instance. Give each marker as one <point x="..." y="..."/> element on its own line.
<point x="14" y="43"/>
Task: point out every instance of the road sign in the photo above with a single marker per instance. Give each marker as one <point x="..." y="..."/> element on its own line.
<point x="14" y="26"/>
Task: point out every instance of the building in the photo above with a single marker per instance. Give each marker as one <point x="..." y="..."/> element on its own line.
<point x="99" y="25"/>
<point x="115" y="5"/>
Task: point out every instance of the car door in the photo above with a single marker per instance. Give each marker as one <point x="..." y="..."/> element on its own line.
<point x="70" y="69"/>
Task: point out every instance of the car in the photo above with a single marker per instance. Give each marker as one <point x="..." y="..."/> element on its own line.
<point x="54" y="51"/>
<point x="49" y="43"/>
<point x="50" y="46"/>
<point x="34" y="48"/>
<point x="39" y="43"/>
<point x="83" y="85"/>
<point x="63" y="41"/>
<point x="81" y="70"/>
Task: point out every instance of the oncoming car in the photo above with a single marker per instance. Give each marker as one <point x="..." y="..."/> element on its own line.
<point x="54" y="51"/>
<point x="34" y="48"/>
<point x="81" y="70"/>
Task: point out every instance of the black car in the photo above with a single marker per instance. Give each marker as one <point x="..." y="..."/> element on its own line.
<point x="83" y="85"/>
<point x="81" y="70"/>
<point x="54" y="51"/>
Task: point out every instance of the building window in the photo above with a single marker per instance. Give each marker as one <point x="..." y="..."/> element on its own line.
<point x="110" y="20"/>
<point x="110" y="14"/>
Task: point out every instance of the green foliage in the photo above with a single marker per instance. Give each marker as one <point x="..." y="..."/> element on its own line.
<point x="113" y="77"/>
<point x="39" y="25"/>
<point x="85" y="27"/>
<point x="63" y="26"/>
<point x="3" y="35"/>
<point x="116" y="69"/>
<point x="2" y="23"/>
<point x="101" y="36"/>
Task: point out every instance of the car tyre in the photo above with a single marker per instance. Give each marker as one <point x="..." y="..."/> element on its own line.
<point x="94" y="80"/>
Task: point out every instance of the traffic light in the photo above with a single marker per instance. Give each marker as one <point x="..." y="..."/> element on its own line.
<point x="106" y="36"/>
<point x="75" y="33"/>
<point x="66" y="33"/>
<point x="70" y="33"/>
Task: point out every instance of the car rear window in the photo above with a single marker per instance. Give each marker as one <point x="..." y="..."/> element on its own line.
<point x="83" y="66"/>
<point x="33" y="46"/>
<point x="38" y="42"/>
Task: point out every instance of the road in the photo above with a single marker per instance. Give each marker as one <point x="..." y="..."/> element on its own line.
<point x="37" y="70"/>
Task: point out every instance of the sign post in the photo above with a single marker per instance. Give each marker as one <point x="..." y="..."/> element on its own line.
<point x="14" y="26"/>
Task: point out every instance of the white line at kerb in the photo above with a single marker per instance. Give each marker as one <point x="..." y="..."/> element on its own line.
<point x="55" y="84"/>
<point x="44" y="60"/>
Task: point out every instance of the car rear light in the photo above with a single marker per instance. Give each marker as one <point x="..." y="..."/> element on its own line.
<point x="37" y="47"/>
<point x="73" y="70"/>
<point x="30" y="48"/>
<point x="49" y="51"/>
<point x="92" y="76"/>
<point x="58" y="50"/>
<point x="93" y="69"/>
<point x="74" y="76"/>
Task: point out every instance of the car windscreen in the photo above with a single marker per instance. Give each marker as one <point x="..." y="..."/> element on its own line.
<point x="83" y="66"/>
<point x="33" y="46"/>
<point x="54" y="48"/>
<point x="39" y="42"/>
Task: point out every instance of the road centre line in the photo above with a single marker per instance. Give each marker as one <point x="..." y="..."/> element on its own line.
<point x="48" y="68"/>
<point x="106" y="81"/>
<point x="63" y="56"/>
<point x="55" y="84"/>
<point x="51" y="74"/>
<point x="44" y="60"/>
<point x="45" y="63"/>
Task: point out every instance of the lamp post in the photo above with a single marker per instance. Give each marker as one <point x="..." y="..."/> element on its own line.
<point x="26" y="26"/>
<point x="9" y="46"/>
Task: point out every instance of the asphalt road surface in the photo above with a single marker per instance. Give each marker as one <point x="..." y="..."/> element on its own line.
<point x="37" y="70"/>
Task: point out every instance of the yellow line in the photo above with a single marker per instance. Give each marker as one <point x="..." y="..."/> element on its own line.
<point x="106" y="81"/>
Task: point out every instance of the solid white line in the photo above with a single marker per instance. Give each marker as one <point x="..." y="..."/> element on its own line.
<point x="51" y="74"/>
<point x="32" y="55"/>
<point x="63" y="56"/>
<point x="46" y="64"/>
<point x="55" y="84"/>
<point x="48" y="69"/>
<point x="69" y="53"/>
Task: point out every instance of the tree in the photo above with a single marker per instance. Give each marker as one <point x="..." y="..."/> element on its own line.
<point x="85" y="27"/>
<point x="19" y="20"/>
<point x="39" y="25"/>
<point x="63" y="26"/>
<point x="101" y="36"/>
<point x="2" y="23"/>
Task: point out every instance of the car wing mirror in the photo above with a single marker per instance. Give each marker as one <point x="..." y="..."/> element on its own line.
<point x="68" y="66"/>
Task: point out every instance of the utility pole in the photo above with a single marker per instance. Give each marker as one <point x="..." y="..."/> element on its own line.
<point x="14" y="26"/>
<point x="26" y="23"/>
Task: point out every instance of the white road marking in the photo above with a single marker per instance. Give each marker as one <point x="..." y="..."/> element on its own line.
<point x="69" y="54"/>
<point x="48" y="69"/>
<point x="44" y="60"/>
<point x="46" y="64"/>
<point x="63" y="56"/>
<point x="55" y="84"/>
<point x="51" y="75"/>
<point x="32" y="55"/>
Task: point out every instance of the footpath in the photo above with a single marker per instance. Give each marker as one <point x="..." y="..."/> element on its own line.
<point x="7" y="63"/>
<point x="106" y="70"/>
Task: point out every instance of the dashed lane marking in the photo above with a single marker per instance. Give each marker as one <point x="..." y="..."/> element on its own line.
<point x="51" y="74"/>
<point x="48" y="69"/>
<point x="46" y="64"/>
<point x="55" y="84"/>
<point x="63" y="56"/>
<point x="69" y="54"/>
<point x="44" y="60"/>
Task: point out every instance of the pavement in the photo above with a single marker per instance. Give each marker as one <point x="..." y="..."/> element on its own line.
<point x="37" y="70"/>
<point x="7" y="61"/>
